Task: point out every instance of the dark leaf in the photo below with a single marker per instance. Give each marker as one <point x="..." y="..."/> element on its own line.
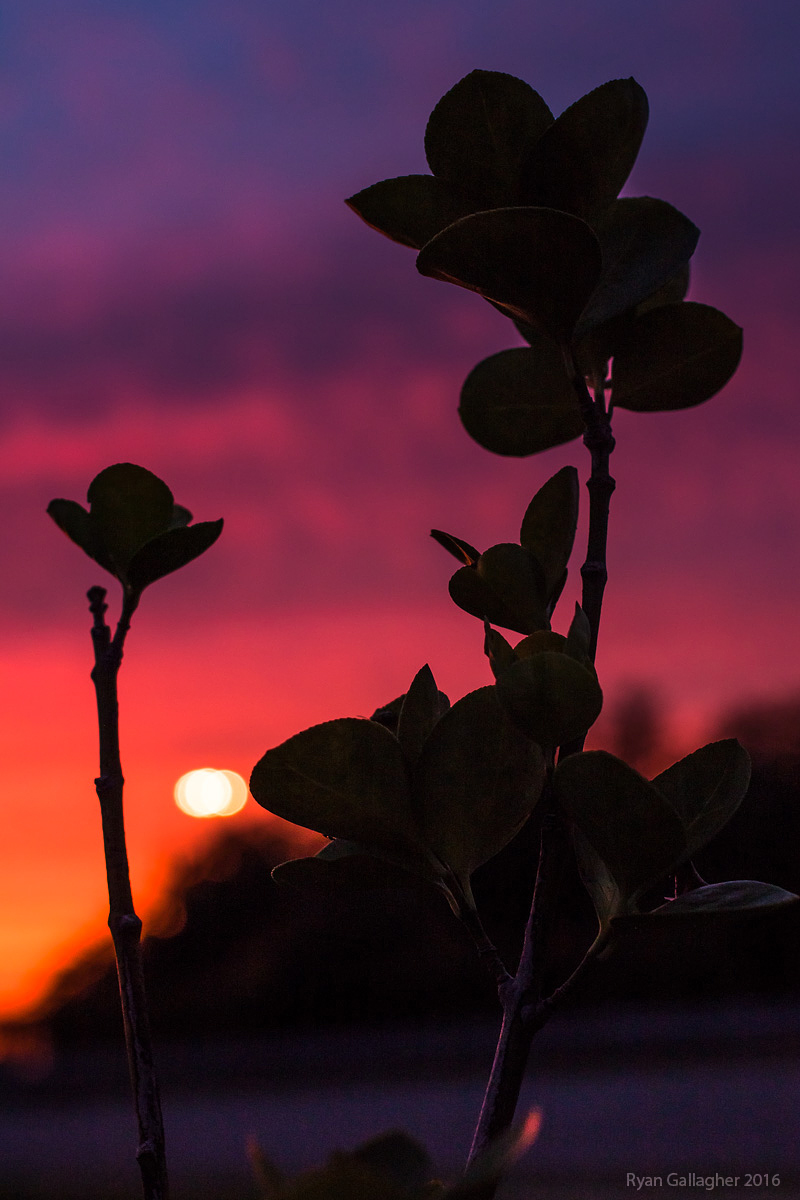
<point x="675" y="356"/>
<point x="520" y="401"/>
<point x="734" y="896"/>
<point x="421" y="709"/>
<point x="673" y="291"/>
<point x="397" y="1157"/>
<point x="481" y="131"/>
<point x="644" y="243"/>
<point x="355" y="867"/>
<point x="171" y="550"/>
<point x="129" y="505"/>
<point x="705" y="789"/>
<point x="539" y="265"/>
<point x="505" y="588"/>
<point x="550" y="523"/>
<point x="346" y="779"/>
<point x="579" y="637"/>
<point x="457" y="547"/>
<point x="180" y="517"/>
<point x="475" y="783"/>
<point x="551" y="697"/>
<point x="344" y="1177"/>
<point x="582" y="161"/>
<point x="500" y="654"/>
<point x="604" y="893"/>
<point x="636" y="833"/>
<point x="410" y="209"/>
<point x="78" y="525"/>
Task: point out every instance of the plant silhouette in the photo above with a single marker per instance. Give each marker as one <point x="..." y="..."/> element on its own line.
<point x="523" y="209"/>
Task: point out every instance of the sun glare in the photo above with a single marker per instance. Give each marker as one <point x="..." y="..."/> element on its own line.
<point x="209" y="793"/>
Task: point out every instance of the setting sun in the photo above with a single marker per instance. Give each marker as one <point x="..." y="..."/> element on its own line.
<point x="206" y="792"/>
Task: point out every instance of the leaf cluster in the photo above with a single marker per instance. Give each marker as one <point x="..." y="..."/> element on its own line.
<point x="432" y="798"/>
<point x="524" y="209"/>
<point x="634" y="832"/>
<point x="133" y="528"/>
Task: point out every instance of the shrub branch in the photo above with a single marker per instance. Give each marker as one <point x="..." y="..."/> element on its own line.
<point x="124" y="924"/>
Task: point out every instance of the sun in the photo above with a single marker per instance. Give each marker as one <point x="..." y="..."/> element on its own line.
<point x="206" y="792"/>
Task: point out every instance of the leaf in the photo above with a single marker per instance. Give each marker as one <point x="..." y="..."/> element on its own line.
<point x="738" y="895"/>
<point x="344" y="867"/>
<point x="398" y="1157"/>
<point x="636" y="833"/>
<point x="673" y="291"/>
<point x="77" y="524"/>
<point x="604" y="893"/>
<point x="551" y="697"/>
<point x="480" y="132"/>
<point x="582" y="161"/>
<point x="475" y="783"/>
<point x="129" y="505"/>
<point x="500" y="654"/>
<point x="410" y="209"/>
<point x="644" y="243"/>
<point x="180" y="517"/>
<point x="504" y="588"/>
<point x="170" y="551"/>
<point x="539" y="265"/>
<point x="344" y="1177"/>
<point x="579" y="637"/>
<point x="457" y="547"/>
<point x="346" y="779"/>
<point x="421" y="709"/>
<point x="520" y="401"/>
<point x="675" y="356"/>
<point x="705" y="789"/>
<point x="550" y="523"/>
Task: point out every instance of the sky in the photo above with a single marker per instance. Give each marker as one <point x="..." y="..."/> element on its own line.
<point x="184" y="288"/>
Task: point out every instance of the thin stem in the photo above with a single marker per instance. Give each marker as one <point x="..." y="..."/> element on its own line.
<point x="123" y="922"/>
<point x="522" y="994"/>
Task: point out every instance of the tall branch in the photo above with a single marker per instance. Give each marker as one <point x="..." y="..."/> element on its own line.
<point x="125" y="925"/>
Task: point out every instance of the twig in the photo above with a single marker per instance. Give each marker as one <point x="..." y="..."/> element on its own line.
<point x="520" y="995"/>
<point x="123" y="922"/>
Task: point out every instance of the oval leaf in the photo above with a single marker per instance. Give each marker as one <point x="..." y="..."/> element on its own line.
<point x="520" y="401"/>
<point x="736" y="895"/>
<point x="705" y="789"/>
<point x="423" y="705"/>
<point x="480" y="133"/>
<point x="129" y="505"/>
<point x="645" y="242"/>
<point x="582" y="161"/>
<point x="627" y="822"/>
<point x="551" y="697"/>
<point x="170" y="551"/>
<point x="550" y="524"/>
<point x="346" y="779"/>
<point x="78" y="525"/>
<point x="539" y="265"/>
<point x="457" y="547"/>
<point x="675" y="356"/>
<point x="410" y="209"/>
<point x="476" y="782"/>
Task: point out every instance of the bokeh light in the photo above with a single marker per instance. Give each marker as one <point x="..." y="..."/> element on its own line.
<point x="206" y="792"/>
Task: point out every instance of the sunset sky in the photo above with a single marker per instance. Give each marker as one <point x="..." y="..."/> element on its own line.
<point x="184" y="288"/>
